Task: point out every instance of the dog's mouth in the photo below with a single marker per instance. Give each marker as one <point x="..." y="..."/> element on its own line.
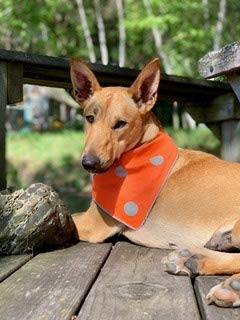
<point x="97" y="170"/>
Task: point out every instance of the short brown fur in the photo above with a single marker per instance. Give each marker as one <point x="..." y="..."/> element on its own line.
<point x="201" y="199"/>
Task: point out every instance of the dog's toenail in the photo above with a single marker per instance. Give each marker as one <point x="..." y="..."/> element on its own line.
<point x="185" y="253"/>
<point x="235" y="284"/>
<point x="236" y="303"/>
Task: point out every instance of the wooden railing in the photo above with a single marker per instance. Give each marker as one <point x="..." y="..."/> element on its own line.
<point x="226" y="62"/>
<point x="210" y="102"/>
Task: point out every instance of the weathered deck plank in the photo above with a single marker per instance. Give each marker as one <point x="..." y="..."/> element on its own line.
<point x="10" y="264"/>
<point x="52" y="285"/>
<point x="211" y="312"/>
<point x="133" y="285"/>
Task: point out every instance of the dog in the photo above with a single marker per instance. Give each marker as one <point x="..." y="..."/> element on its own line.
<point x="197" y="211"/>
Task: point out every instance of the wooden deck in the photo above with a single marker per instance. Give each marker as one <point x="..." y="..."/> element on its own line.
<point x="102" y="281"/>
<point x="107" y="282"/>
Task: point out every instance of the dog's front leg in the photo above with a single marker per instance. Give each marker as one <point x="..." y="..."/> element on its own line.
<point x="94" y="225"/>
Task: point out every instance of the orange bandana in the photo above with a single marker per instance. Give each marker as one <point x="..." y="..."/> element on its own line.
<point x="128" y="190"/>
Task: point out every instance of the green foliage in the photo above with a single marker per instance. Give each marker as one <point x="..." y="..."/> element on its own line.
<point x="181" y="25"/>
<point x="53" y="27"/>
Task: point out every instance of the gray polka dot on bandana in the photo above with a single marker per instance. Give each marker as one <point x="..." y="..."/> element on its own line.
<point x="131" y="208"/>
<point x="157" y="160"/>
<point x="120" y="171"/>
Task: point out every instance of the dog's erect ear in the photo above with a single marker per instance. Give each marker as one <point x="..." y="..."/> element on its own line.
<point x="83" y="80"/>
<point x="144" y="89"/>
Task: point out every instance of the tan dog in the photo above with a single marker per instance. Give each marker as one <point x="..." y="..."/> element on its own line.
<point x="198" y="210"/>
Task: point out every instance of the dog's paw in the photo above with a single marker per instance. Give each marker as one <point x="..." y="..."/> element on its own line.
<point x="182" y="262"/>
<point x="225" y="294"/>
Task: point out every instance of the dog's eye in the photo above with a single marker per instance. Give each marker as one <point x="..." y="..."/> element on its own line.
<point x="120" y="124"/>
<point x="90" y="119"/>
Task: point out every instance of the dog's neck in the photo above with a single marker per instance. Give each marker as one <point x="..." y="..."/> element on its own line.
<point x="151" y="128"/>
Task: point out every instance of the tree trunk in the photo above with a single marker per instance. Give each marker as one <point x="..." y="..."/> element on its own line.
<point x="158" y="40"/>
<point x="122" y="34"/>
<point x="219" y="25"/>
<point x="101" y="33"/>
<point x="86" y="31"/>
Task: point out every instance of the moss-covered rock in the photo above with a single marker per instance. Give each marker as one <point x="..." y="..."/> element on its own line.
<point x="33" y="220"/>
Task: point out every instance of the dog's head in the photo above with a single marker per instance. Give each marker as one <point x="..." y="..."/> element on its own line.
<point x="115" y="117"/>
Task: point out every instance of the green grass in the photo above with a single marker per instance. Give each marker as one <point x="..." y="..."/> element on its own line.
<point x="45" y="147"/>
<point x="54" y="158"/>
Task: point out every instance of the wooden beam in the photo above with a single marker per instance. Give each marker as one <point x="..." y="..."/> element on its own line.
<point x="222" y="116"/>
<point x="224" y="107"/>
<point x="234" y="80"/>
<point x="230" y="134"/>
<point x="171" y="88"/>
<point x="220" y="62"/>
<point x="54" y="71"/>
<point x="14" y="82"/>
<point x="3" y="104"/>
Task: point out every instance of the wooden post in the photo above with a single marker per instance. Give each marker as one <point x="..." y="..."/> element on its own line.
<point x="14" y="82"/>
<point x="234" y="80"/>
<point x="3" y="104"/>
<point x="11" y="91"/>
<point x="226" y="61"/>
<point x="222" y="116"/>
<point x="230" y="134"/>
<point x="231" y="129"/>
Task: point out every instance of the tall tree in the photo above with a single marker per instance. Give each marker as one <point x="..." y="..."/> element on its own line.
<point x="101" y="32"/>
<point x="219" y="25"/>
<point x="86" y="31"/>
<point x="122" y="34"/>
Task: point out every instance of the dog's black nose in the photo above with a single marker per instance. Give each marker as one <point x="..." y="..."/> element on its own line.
<point x="91" y="163"/>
